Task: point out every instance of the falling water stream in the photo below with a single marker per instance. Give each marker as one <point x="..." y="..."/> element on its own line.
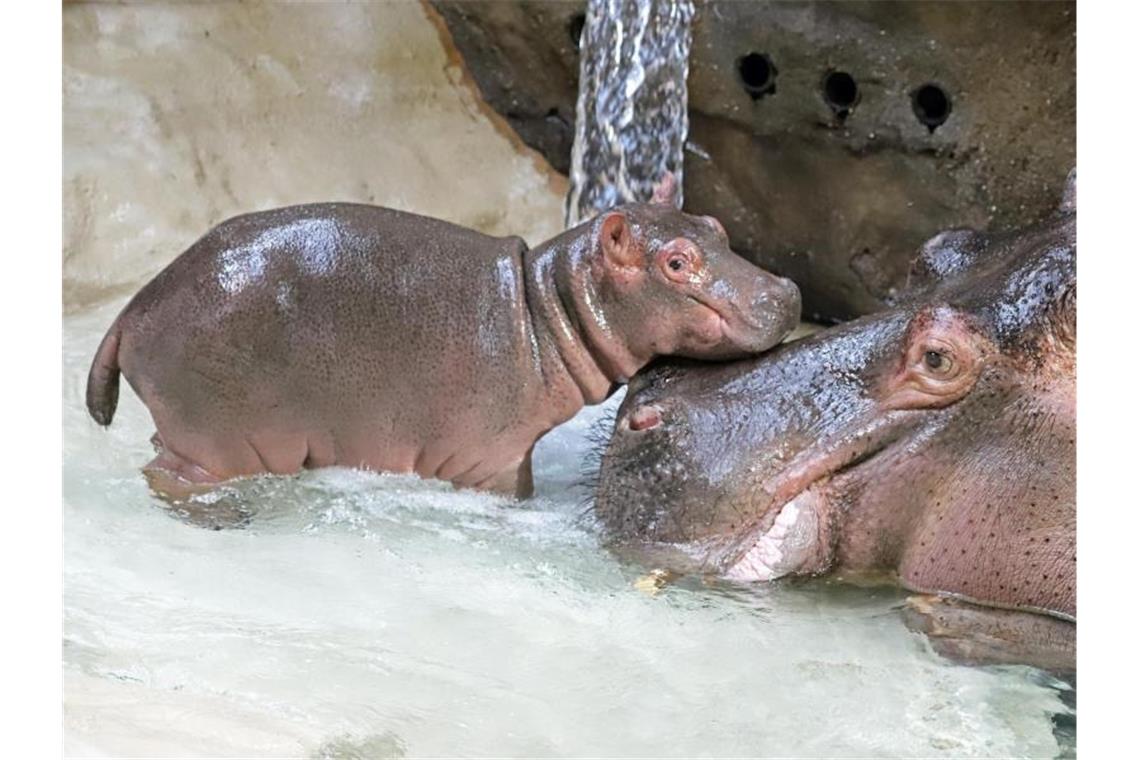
<point x="632" y="117"/>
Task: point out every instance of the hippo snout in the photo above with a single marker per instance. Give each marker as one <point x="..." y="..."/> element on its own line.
<point x="769" y="316"/>
<point x="786" y="301"/>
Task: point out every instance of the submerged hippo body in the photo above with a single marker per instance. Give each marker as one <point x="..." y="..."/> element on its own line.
<point x="934" y="441"/>
<point x="343" y="334"/>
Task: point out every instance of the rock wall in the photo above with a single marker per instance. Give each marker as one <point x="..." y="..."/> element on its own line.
<point x="831" y="138"/>
<point x="179" y="116"/>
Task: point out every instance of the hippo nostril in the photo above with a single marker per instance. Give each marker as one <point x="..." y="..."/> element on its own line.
<point x="645" y="418"/>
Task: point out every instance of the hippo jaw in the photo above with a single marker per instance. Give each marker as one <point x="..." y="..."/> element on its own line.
<point x="789" y="510"/>
<point x="793" y="536"/>
<point x="771" y="516"/>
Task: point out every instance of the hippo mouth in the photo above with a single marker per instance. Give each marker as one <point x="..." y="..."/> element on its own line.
<point x="736" y="329"/>
<point x="715" y="311"/>
<point x="789" y="541"/>
<point x="747" y="488"/>
<point x="724" y="327"/>
<point x="795" y="507"/>
<point x="794" y="535"/>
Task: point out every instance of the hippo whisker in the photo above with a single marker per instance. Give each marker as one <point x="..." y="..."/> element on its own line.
<point x="597" y="439"/>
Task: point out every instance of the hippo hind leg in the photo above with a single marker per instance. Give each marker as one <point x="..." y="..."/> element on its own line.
<point x="191" y="493"/>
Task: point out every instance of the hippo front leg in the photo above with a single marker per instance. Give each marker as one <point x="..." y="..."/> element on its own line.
<point x="516" y="483"/>
<point x="978" y="635"/>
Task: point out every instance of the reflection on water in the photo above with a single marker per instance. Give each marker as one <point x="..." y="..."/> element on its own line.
<point x="379" y="616"/>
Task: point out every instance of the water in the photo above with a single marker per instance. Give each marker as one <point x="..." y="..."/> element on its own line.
<point x="379" y="616"/>
<point x="632" y="116"/>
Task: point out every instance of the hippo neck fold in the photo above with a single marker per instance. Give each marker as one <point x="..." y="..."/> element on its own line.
<point x="568" y="318"/>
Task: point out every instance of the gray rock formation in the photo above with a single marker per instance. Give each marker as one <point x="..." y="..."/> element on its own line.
<point x="831" y="139"/>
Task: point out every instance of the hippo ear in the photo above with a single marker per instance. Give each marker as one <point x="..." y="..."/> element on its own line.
<point x="945" y="256"/>
<point x="665" y="191"/>
<point x="616" y="241"/>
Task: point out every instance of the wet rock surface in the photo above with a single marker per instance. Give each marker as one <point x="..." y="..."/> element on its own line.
<point x="831" y="139"/>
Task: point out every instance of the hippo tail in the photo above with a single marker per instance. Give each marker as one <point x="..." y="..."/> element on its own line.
<point x="103" y="379"/>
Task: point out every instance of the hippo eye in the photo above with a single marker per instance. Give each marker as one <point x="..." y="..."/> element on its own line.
<point x="942" y="360"/>
<point x="938" y="362"/>
<point x="679" y="261"/>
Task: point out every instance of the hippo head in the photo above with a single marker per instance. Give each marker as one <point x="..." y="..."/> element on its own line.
<point x="670" y="285"/>
<point x="934" y="440"/>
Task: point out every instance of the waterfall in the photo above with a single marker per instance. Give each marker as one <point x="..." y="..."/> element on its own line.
<point x="632" y="117"/>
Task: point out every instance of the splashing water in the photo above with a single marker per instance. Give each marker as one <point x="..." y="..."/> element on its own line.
<point x="362" y="615"/>
<point x="632" y="116"/>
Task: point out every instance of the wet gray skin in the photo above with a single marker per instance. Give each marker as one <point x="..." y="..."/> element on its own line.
<point x="934" y="441"/>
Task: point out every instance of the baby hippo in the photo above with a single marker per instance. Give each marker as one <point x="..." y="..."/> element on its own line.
<point x="359" y="336"/>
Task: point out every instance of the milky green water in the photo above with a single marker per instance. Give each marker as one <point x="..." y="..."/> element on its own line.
<point x="378" y="616"/>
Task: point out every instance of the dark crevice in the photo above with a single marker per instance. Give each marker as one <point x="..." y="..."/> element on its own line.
<point x="931" y="105"/>
<point x="757" y="75"/>
<point x="840" y="92"/>
<point x="575" y="27"/>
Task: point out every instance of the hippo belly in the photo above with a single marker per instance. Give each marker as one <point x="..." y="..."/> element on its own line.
<point x="275" y="344"/>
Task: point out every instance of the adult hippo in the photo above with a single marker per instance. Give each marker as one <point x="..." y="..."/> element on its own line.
<point x="934" y="441"/>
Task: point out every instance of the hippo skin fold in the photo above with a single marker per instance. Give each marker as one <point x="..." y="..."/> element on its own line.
<point x="934" y="442"/>
<point x="354" y="335"/>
